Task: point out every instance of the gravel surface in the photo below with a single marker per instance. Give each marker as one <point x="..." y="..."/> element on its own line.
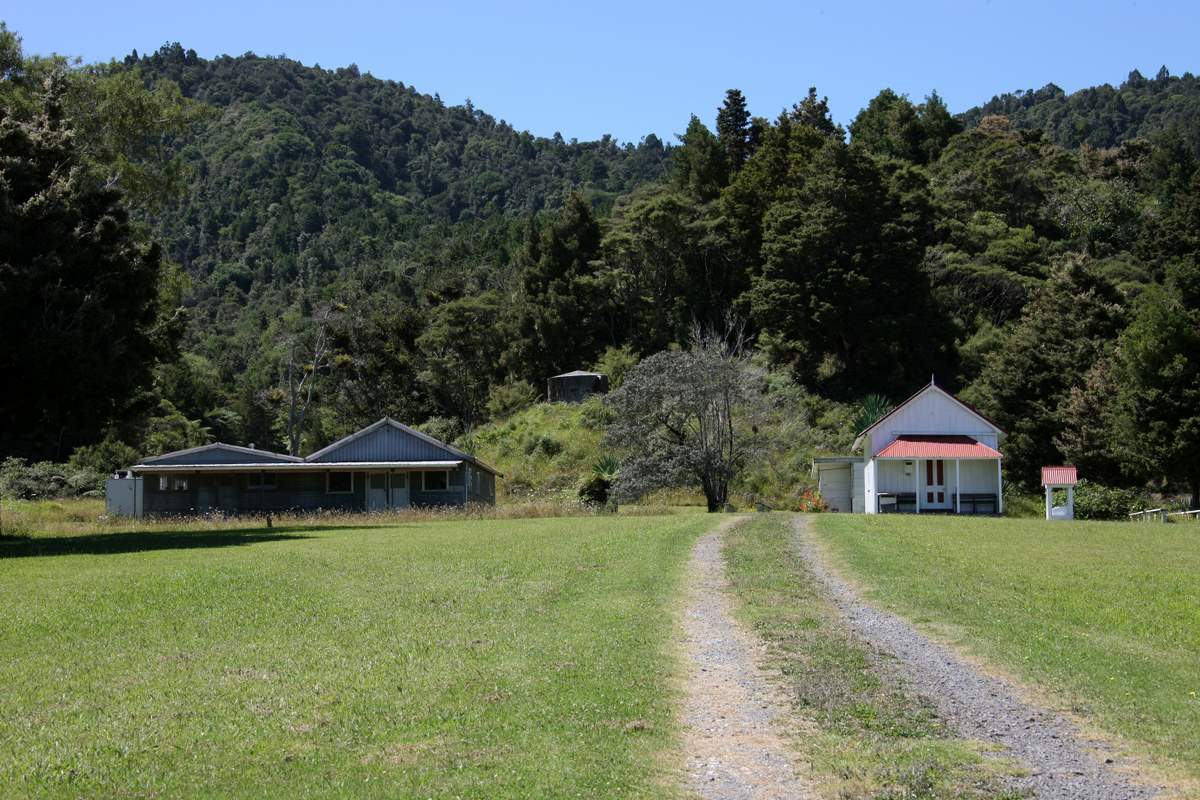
<point x="732" y="745"/>
<point x="1062" y="763"/>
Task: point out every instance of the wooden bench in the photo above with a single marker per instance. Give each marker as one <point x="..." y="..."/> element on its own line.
<point x="975" y="503"/>
<point x="904" y="502"/>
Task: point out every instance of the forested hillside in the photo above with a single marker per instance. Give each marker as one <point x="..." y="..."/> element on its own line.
<point x="318" y="248"/>
<point x="1105" y="116"/>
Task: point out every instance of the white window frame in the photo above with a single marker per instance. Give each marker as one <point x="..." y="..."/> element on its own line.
<point x="444" y="472"/>
<point x="164" y="483"/>
<point x="176" y="480"/>
<point x="339" y="491"/>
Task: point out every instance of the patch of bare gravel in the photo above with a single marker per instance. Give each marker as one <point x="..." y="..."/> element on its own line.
<point x="733" y="746"/>
<point x="1062" y="763"/>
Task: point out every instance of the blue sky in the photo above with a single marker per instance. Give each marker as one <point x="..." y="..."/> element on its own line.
<point x="631" y="68"/>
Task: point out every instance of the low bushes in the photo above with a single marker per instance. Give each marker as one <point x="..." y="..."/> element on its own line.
<point x="42" y="480"/>
<point x="1094" y="501"/>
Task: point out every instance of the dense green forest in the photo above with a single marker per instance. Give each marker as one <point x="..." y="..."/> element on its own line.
<point x="301" y="250"/>
<point x="1104" y="116"/>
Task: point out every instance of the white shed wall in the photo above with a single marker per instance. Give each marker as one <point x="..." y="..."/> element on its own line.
<point x="857" y="487"/>
<point x="834" y="483"/>
<point x="932" y="412"/>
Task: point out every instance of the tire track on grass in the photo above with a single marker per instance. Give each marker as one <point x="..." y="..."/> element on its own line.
<point x="1062" y="763"/>
<point x="732" y="746"/>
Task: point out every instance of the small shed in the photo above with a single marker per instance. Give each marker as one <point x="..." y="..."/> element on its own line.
<point x="575" y="387"/>
<point x="1060" y="478"/>
<point x="840" y="482"/>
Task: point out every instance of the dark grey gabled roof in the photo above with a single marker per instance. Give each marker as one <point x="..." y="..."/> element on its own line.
<point x="323" y="455"/>
<point x="262" y="456"/>
<point x="392" y="451"/>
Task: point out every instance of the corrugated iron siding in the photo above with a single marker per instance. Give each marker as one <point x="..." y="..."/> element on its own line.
<point x="387" y="444"/>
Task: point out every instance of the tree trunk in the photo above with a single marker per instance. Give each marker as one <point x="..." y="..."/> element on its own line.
<point x="1195" y="493"/>
<point x="716" y="494"/>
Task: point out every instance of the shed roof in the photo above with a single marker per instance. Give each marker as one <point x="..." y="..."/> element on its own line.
<point x="1059" y="476"/>
<point x="926" y="446"/>
<point x="251" y="460"/>
<point x="267" y="455"/>
<point x="400" y="426"/>
<point x="289" y="466"/>
<point x="579" y="373"/>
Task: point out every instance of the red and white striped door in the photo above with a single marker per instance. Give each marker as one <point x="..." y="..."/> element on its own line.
<point x="935" y="495"/>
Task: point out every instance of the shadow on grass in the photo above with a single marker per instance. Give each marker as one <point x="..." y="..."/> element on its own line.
<point x="136" y="542"/>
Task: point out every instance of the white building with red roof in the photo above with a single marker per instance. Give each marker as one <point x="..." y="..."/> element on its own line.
<point x="933" y="453"/>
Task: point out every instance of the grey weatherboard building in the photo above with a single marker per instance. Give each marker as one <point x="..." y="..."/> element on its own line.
<point x="386" y="465"/>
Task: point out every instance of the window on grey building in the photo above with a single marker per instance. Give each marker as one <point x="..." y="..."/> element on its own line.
<point x="339" y="482"/>
<point x="435" y="481"/>
<point x="261" y="482"/>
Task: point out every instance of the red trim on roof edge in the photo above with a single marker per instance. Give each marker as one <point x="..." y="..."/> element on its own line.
<point x="934" y="446"/>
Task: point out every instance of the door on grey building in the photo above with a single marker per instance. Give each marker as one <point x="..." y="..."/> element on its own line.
<point x="377" y="494"/>
<point x="399" y="490"/>
<point x="206" y="497"/>
<point x="227" y="496"/>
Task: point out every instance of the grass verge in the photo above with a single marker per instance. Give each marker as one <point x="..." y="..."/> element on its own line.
<point x="1106" y="616"/>
<point x="865" y="736"/>
<point x="461" y="658"/>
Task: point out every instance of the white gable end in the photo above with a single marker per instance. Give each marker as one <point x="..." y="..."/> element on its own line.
<point x="931" y="412"/>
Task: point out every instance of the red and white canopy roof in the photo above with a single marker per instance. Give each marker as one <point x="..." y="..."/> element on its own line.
<point x="937" y="446"/>
<point x="1059" y="476"/>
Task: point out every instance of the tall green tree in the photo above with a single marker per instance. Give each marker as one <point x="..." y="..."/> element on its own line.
<point x="79" y="293"/>
<point x="1068" y="325"/>
<point x="891" y="125"/>
<point x="701" y="166"/>
<point x="1158" y="381"/>
<point x="460" y="352"/>
<point x="668" y="264"/>
<point x="562" y="309"/>
<point x="733" y="129"/>
<point x="841" y="299"/>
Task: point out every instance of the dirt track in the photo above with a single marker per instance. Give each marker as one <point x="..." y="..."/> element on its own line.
<point x="1062" y="763"/>
<point x="733" y="747"/>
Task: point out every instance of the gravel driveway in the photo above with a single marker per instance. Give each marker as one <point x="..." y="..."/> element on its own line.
<point x="732" y="745"/>
<point x="1061" y="762"/>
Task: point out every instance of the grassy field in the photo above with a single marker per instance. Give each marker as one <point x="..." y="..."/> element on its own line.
<point x="468" y="658"/>
<point x="1106" y="616"/>
<point x="863" y="735"/>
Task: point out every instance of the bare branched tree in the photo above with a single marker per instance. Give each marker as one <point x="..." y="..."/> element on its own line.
<point x="305" y="354"/>
<point x="688" y="417"/>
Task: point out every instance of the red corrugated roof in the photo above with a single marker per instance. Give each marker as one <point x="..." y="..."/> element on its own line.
<point x="937" y="447"/>
<point x="1059" y="476"/>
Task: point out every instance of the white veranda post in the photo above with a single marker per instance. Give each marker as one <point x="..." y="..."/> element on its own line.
<point x="957" y="489"/>
<point x="999" y="490"/>
<point x="917" y="483"/>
